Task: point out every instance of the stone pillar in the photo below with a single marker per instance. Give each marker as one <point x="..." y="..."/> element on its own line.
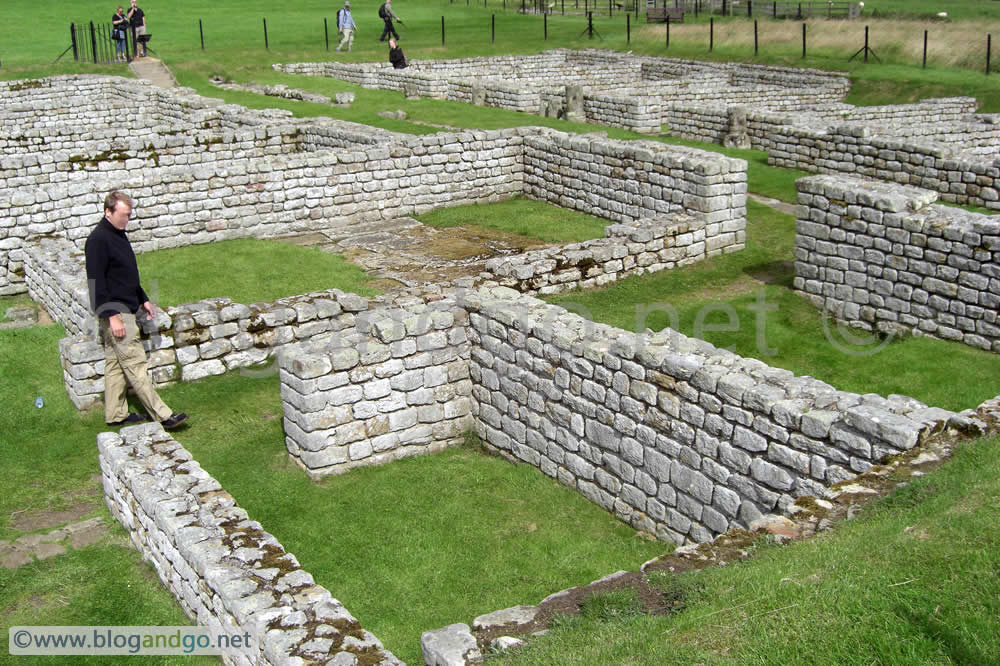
<point x="478" y="94"/>
<point x="736" y="134"/>
<point x="574" y="104"/>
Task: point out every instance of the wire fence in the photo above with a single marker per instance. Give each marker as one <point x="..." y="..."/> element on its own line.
<point x="94" y="43"/>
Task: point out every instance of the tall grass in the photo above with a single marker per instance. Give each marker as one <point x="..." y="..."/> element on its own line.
<point x="953" y="45"/>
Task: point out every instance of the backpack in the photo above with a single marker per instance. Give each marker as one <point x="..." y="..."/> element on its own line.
<point x="340" y="13"/>
<point x="382" y="14"/>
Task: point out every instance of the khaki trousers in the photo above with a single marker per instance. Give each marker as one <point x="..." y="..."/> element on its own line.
<point x="124" y="365"/>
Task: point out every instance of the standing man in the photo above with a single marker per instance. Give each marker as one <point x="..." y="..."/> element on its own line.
<point x="137" y="20"/>
<point x="115" y="296"/>
<point x="385" y="13"/>
<point x="345" y="25"/>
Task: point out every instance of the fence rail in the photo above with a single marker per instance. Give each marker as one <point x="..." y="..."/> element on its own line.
<point x="787" y="9"/>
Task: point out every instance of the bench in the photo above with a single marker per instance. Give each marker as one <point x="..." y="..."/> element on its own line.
<point x="662" y="14"/>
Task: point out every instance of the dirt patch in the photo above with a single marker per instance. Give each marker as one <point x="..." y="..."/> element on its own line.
<point x="29" y="521"/>
<point x="419" y="254"/>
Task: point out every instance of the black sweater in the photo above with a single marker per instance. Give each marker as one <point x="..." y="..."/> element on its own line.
<point x="112" y="272"/>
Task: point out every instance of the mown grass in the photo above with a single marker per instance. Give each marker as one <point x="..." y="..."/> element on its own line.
<point x="414" y="545"/>
<point x="49" y="464"/>
<point x="524" y="217"/>
<point x="913" y="580"/>
<point x="234" y="41"/>
<point x="246" y="270"/>
<point x="744" y="302"/>
<point x="66" y="591"/>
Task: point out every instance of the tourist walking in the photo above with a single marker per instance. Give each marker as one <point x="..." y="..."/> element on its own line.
<point x="119" y="24"/>
<point x="385" y="13"/>
<point x="137" y="20"/>
<point x="346" y="26"/>
<point x="118" y="300"/>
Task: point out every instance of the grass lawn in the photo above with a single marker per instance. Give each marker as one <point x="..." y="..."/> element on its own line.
<point x="913" y="580"/>
<point x="245" y="270"/>
<point x="411" y="546"/>
<point x="524" y="217"/>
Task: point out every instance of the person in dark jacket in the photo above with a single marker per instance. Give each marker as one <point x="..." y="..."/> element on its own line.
<point x="386" y="14"/>
<point x="396" y="56"/>
<point x="115" y="297"/>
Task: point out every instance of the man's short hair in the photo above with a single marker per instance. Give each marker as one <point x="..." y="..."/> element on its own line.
<point x="112" y="200"/>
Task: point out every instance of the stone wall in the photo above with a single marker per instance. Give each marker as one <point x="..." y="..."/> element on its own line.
<point x="621" y="90"/>
<point x="630" y="181"/>
<point x="768" y="119"/>
<point x="854" y="151"/>
<point x="880" y="256"/>
<point x="226" y="572"/>
<point x="646" y="246"/>
<point x="193" y="187"/>
<point x="674" y="436"/>
<point x="396" y="385"/>
<point x="186" y="342"/>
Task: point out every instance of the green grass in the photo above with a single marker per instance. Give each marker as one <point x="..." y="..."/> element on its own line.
<point x="410" y="546"/>
<point x="744" y="302"/>
<point x="49" y="453"/>
<point x="249" y="270"/>
<point x="524" y="217"/>
<point x="64" y="590"/>
<point x="49" y="464"/>
<point x="912" y="581"/>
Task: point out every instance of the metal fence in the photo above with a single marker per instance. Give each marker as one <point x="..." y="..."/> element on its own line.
<point x="93" y="43"/>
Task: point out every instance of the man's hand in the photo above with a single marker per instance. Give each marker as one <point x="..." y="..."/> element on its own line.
<point x="117" y="326"/>
<point x="150" y="309"/>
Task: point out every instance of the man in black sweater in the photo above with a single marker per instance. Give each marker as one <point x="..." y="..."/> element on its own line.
<point x="116" y="296"/>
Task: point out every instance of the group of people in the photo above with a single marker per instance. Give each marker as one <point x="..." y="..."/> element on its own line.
<point x="121" y="24"/>
<point x="347" y="27"/>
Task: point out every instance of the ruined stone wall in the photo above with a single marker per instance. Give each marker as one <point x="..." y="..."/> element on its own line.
<point x="855" y="151"/>
<point x="225" y="571"/>
<point x="879" y="255"/>
<point x="943" y="120"/>
<point x="625" y="182"/>
<point x="280" y="194"/>
<point x="674" y="436"/>
<point x="646" y="246"/>
<point x="396" y="385"/>
<point x="620" y="90"/>
<point x="186" y="342"/>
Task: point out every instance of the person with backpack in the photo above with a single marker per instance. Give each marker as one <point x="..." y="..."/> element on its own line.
<point x="385" y="13"/>
<point x="346" y="26"/>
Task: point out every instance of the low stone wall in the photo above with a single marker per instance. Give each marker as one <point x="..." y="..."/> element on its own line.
<point x="396" y="385"/>
<point x="878" y="255"/>
<point x="211" y="337"/>
<point x="855" y="151"/>
<point x="621" y="90"/>
<point x="674" y="436"/>
<point x="625" y="182"/>
<point x="225" y="571"/>
<point x="937" y="119"/>
<point x="646" y="246"/>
